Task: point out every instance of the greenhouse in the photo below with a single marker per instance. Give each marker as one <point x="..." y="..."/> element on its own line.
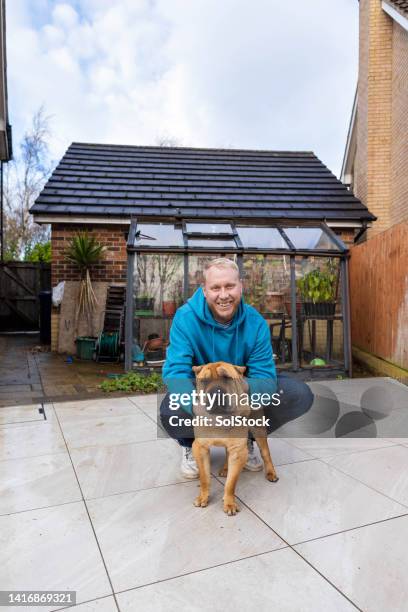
<point x="294" y="274"/>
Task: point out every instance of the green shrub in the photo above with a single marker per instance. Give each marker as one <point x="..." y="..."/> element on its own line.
<point x="40" y="252"/>
<point x="318" y="286"/>
<point x="133" y="381"/>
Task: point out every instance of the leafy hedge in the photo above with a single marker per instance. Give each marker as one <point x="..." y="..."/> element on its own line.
<point x="132" y="381"/>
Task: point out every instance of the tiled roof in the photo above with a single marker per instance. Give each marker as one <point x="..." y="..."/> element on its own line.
<point x="399" y="5"/>
<point x="94" y="179"/>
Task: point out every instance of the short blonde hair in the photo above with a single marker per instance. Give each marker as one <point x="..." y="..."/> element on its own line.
<point x="220" y="262"/>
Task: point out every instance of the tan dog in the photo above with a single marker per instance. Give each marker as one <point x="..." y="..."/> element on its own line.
<point x="226" y="378"/>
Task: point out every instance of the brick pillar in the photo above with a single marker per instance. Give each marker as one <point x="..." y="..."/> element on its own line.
<point x="373" y="175"/>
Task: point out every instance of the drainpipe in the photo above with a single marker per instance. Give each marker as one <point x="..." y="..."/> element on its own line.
<point x="1" y="213"/>
<point x="362" y="230"/>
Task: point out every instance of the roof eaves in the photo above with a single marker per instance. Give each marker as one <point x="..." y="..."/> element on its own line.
<point x="397" y="10"/>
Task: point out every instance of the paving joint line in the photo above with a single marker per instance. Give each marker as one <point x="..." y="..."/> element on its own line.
<point x="88" y="513"/>
<point x="294" y="550"/>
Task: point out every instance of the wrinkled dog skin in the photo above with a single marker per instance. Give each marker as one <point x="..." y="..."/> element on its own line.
<point x="226" y="378"/>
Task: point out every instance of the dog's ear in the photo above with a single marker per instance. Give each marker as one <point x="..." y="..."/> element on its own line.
<point x="202" y="372"/>
<point x="229" y="371"/>
<point x="240" y="369"/>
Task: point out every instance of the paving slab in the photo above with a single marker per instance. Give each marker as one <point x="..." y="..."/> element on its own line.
<point x="158" y="534"/>
<point x="280" y="580"/>
<point x="52" y="549"/>
<point x="328" y="447"/>
<point x="20" y="414"/>
<point x="312" y="500"/>
<point x="107" y="604"/>
<point x="368" y="564"/>
<point x="380" y="469"/>
<point x="106" y="470"/>
<point x="37" y="482"/>
<point x="31" y="440"/>
<point x="107" y="430"/>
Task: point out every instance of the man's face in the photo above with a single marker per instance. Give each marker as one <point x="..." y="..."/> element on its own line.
<point x="222" y="289"/>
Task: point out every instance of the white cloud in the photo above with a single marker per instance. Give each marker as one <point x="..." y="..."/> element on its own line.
<point x="265" y="74"/>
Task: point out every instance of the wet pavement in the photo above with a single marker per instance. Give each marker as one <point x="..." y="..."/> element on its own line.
<point x="31" y="374"/>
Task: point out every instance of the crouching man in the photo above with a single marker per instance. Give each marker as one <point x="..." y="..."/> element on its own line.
<point x="216" y="325"/>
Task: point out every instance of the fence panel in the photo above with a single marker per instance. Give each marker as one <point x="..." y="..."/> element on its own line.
<point x="20" y="284"/>
<point x="379" y="295"/>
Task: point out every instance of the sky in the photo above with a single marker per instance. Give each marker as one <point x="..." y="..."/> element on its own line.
<point x="259" y="74"/>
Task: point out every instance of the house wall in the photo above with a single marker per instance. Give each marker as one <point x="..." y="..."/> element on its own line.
<point x="373" y="163"/>
<point x="399" y="143"/>
<point x="380" y="179"/>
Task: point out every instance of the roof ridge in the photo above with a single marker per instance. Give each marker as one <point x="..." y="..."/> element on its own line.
<point x="209" y="149"/>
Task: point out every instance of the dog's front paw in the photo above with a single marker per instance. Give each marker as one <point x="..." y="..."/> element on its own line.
<point x="272" y="477"/>
<point x="201" y="501"/>
<point x="231" y="507"/>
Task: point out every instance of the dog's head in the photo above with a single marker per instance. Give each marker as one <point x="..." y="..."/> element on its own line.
<point x="226" y="385"/>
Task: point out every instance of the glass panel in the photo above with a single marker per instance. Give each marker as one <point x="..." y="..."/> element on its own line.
<point x="261" y="238"/>
<point x="212" y="243"/>
<point x="196" y="265"/>
<point x="319" y="292"/>
<point x="267" y="287"/>
<point x="209" y="228"/>
<point x="310" y="238"/>
<point x="158" y="235"/>
<point x="158" y="291"/>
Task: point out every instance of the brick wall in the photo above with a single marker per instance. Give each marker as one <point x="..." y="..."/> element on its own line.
<point x="111" y="269"/>
<point x="346" y="235"/>
<point x="399" y="146"/>
<point x="381" y="180"/>
<point x="373" y="168"/>
<point x="360" y="164"/>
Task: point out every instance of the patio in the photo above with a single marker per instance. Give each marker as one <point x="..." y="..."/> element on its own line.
<point x="92" y="501"/>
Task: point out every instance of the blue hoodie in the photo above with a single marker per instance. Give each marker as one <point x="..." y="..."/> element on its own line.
<point x="196" y="338"/>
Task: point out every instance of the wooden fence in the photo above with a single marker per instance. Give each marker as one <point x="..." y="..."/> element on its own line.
<point x="20" y="284"/>
<point x="379" y="295"/>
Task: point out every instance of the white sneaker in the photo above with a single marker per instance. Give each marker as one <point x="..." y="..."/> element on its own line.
<point x="253" y="464"/>
<point x="189" y="467"/>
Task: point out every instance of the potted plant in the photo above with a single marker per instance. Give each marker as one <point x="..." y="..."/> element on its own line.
<point x="85" y="251"/>
<point x="318" y="291"/>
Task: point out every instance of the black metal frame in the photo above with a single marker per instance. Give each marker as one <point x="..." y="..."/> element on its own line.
<point x="238" y="249"/>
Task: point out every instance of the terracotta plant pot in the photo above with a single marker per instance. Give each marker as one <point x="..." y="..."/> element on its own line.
<point x="169" y="308"/>
<point x="288" y="306"/>
<point x="274" y="301"/>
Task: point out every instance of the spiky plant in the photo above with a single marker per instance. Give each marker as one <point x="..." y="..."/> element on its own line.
<point x="84" y="251"/>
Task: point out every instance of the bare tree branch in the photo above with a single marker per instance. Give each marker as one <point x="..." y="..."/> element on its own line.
<point x="24" y="178"/>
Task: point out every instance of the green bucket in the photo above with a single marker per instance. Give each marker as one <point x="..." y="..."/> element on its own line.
<point x="85" y="346"/>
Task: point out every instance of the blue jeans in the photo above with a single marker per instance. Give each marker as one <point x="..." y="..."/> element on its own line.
<point x="295" y="399"/>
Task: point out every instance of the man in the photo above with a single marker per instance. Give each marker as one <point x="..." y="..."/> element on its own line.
<point x="216" y="325"/>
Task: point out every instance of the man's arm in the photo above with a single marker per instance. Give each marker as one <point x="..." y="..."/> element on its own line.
<point x="261" y="371"/>
<point x="177" y="370"/>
